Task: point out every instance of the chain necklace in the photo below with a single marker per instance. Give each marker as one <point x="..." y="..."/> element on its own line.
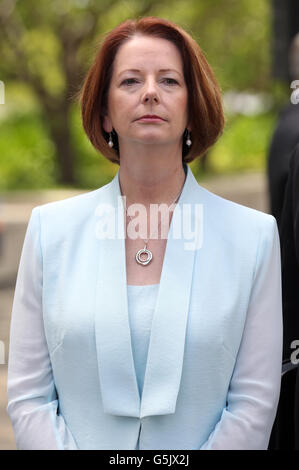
<point x="145" y="250"/>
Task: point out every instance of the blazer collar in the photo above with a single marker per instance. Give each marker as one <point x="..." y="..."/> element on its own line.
<point x="119" y="389"/>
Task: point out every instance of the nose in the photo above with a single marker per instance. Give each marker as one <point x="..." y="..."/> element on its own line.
<point x="150" y="94"/>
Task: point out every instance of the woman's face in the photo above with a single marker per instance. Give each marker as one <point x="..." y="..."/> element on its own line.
<point x="147" y="78"/>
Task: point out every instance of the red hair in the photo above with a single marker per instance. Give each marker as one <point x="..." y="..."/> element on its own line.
<point x="205" y="110"/>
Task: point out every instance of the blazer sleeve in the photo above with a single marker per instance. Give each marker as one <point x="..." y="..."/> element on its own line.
<point x="32" y="397"/>
<point x="246" y="421"/>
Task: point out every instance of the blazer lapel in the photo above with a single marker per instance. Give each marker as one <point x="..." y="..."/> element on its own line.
<point x="163" y="372"/>
<point x="167" y="341"/>
<point x="120" y="395"/>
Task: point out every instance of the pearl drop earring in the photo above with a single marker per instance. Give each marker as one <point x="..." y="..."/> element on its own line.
<point x="188" y="141"/>
<point x="110" y="143"/>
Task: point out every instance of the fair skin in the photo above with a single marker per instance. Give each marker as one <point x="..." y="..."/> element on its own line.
<point x="151" y="170"/>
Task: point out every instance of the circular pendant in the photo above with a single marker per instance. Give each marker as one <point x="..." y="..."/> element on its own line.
<point x="144" y="262"/>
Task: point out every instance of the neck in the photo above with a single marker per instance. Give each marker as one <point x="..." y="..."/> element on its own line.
<point x="151" y="181"/>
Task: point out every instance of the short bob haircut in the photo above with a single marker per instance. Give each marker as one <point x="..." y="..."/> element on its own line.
<point x="205" y="111"/>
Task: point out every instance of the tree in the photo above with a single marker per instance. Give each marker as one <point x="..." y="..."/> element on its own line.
<point x="45" y="45"/>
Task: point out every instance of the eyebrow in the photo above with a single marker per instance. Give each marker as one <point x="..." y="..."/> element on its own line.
<point x="138" y="71"/>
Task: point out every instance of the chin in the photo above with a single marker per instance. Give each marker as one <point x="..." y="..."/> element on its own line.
<point x="152" y="138"/>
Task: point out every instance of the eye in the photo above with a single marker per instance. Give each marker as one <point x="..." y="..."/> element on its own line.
<point x="172" y="81"/>
<point x="128" y="81"/>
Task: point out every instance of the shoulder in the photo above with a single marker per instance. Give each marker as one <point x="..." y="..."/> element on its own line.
<point x="248" y="237"/>
<point x="231" y="216"/>
<point x="71" y="210"/>
<point x="60" y="223"/>
<point x="243" y="233"/>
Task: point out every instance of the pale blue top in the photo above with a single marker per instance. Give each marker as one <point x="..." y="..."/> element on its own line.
<point x="141" y="307"/>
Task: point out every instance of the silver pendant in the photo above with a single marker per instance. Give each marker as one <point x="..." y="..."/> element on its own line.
<point x="145" y="261"/>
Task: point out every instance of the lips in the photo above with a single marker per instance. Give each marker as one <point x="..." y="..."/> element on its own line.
<point x="151" y="116"/>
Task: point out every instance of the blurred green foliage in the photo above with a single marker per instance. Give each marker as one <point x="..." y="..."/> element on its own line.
<point x="235" y="36"/>
<point x="244" y="144"/>
<point x="27" y="152"/>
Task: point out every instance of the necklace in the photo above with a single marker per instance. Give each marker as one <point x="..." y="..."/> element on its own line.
<point x="145" y="250"/>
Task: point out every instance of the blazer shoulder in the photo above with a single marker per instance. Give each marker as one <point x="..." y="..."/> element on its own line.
<point x="74" y="206"/>
<point x="232" y="214"/>
<point x="63" y="219"/>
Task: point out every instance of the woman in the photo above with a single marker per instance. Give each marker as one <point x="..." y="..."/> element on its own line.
<point x="170" y="342"/>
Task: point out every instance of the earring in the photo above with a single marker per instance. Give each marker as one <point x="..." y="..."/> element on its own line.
<point x="188" y="141"/>
<point x="110" y="143"/>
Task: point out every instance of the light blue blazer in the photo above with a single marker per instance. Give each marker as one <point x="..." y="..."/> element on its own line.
<point x="212" y="378"/>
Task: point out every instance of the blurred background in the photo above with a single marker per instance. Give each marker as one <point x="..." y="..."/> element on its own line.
<point x="46" y="49"/>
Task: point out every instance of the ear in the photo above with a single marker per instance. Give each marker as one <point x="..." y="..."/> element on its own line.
<point x="107" y="124"/>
